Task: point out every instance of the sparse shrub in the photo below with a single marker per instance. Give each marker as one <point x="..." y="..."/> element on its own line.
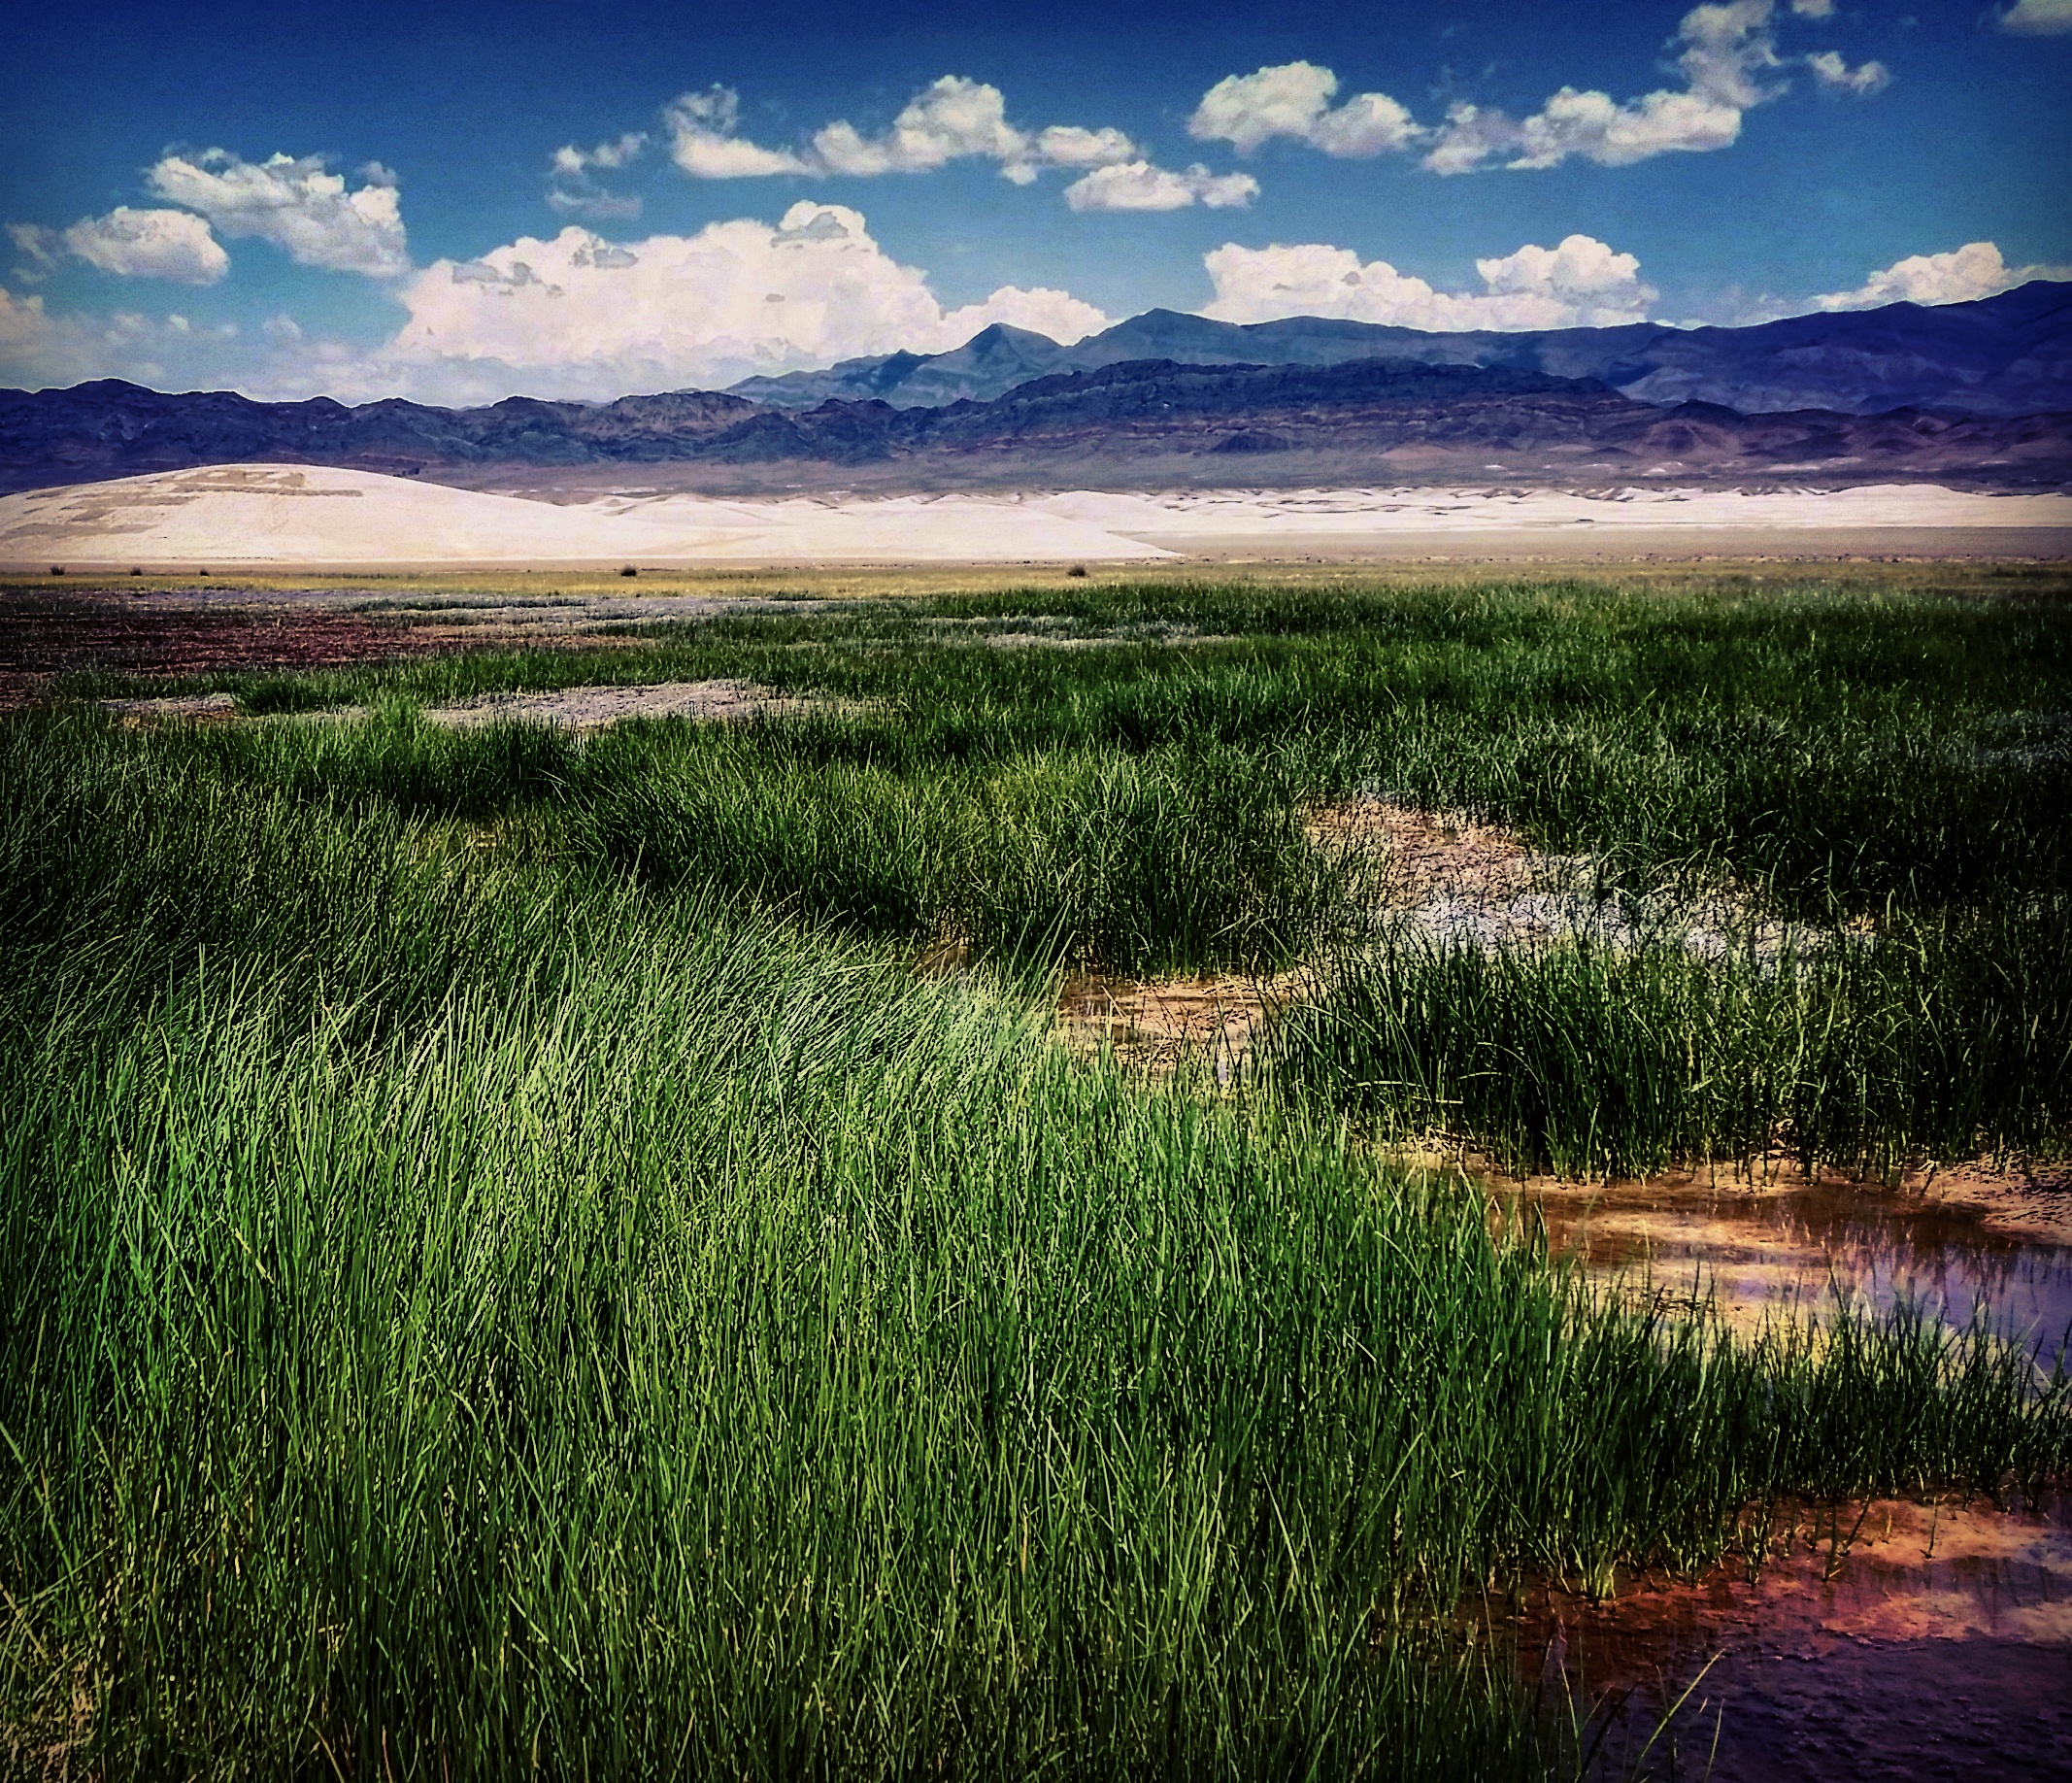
<point x="628" y="570"/>
<point x="1077" y="569"/>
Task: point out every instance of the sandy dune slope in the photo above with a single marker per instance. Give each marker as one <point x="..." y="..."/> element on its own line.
<point x="256" y="516"/>
<point x="279" y="516"/>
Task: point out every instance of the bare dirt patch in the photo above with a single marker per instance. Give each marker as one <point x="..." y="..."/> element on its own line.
<point x="595" y="706"/>
<point x="44" y="636"/>
<point x="1419" y="854"/>
<point x="195" y="708"/>
<point x="1154" y="1024"/>
<point x="1457" y="881"/>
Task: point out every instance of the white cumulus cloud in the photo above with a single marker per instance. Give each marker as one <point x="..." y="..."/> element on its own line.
<point x="576" y="316"/>
<point x="1978" y="269"/>
<point x="1057" y="313"/>
<point x="571" y="160"/>
<point x="1138" y="185"/>
<point x="1578" y="283"/>
<point x="950" y="119"/>
<point x="295" y="204"/>
<point x="1726" y="53"/>
<point x="2038" y="18"/>
<point x="704" y="140"/>
<point x="573" y="188"/>
<point x="149" y="244"/>
<point x="1294" y="100"/>
<point x="1833" y="73"/>
<point x="1070" y="146"/>
<point x="131" y="243"/>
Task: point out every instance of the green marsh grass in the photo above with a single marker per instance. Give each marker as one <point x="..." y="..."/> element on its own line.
<point x="1945" y="1036"/>
<point x="506" y="1270"/>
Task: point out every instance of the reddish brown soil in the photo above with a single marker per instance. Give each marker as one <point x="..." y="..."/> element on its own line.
<point x="1895" y="1640"/>
<point x="161" y="634"/>
<point x="42" y="635"/>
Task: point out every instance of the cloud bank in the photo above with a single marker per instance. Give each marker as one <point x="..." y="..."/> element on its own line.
<point x="2038" y="18"/>
<point x="1580" y="283"/>
<point x="579" y="316"/>
<point x="1965" y="274"/>
<point x="570" y="316"/>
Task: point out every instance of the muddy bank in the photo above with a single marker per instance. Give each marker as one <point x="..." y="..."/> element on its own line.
<point x="1154" y="1024"/>
<point x="1894" y="1640"/>
<point x="1957" y="1244"/>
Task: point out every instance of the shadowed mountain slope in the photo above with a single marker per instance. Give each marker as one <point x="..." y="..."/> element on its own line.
<point x="110" y="428"/>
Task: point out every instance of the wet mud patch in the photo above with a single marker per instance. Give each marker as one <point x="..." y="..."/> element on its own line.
<point x="1154" y="1024"/>
<point x="1956" y="1244"/>
<point x="1400" y="856"/>
<point x="1892" y="1639"/>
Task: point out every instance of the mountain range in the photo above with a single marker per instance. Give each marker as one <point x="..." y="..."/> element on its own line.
<point x="2010" y="354"/>
<point x="1981" y="392"/>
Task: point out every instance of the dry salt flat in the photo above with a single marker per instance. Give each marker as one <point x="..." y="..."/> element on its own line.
<point x="282" y="517"/>
<point x="1659" y="521"/>
<point x="1200" y="512"/>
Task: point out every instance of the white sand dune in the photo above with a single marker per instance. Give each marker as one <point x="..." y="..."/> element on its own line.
<point x="272" y="515"/>
<point x="278" y="515"/>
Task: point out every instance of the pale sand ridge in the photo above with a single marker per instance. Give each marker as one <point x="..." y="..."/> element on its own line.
<point x="293" y="516"/>
<point x="274" y="515"/>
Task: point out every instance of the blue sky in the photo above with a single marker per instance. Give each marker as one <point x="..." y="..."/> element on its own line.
<point x="368" y="201"/>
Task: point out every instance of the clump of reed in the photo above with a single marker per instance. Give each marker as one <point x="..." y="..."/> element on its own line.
<point x="1945" y="1034"/>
